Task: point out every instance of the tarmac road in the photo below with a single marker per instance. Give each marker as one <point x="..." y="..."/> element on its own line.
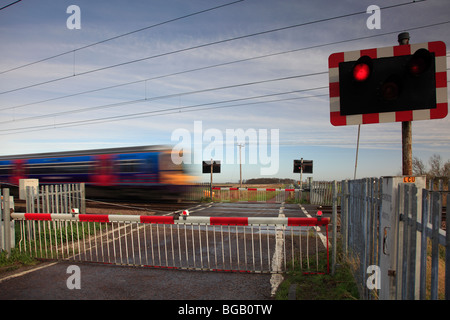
<point x="110" y="282"/>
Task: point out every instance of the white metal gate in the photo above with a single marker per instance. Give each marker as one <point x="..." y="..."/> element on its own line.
<point x="239" y="244"/>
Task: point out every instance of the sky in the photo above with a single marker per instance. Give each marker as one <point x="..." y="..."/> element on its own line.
<point x="193" y="75"/>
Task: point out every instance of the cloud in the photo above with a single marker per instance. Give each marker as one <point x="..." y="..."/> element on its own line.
<point x="303" y="123"/>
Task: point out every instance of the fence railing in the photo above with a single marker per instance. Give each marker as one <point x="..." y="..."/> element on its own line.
<point x="316" y="192"/>
<point x="422" y="239"/>
<point x="321" y="192"/>
<point x="260" y="245"/>
<point x="57" y="198"/>
<point x="6" y="225"/>
<point x="274" y="195"/>
<point x="360" y="213"/>
<point x="247" y="194"/>
<point x="397" y="231"/>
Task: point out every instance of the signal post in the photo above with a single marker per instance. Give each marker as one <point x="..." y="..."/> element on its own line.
<point x="403" y="83"/>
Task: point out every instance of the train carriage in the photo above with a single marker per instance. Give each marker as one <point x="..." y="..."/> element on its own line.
<point x="132" y="170"/>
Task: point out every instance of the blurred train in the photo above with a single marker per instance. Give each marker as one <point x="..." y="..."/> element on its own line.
<point x="145" y="172"/>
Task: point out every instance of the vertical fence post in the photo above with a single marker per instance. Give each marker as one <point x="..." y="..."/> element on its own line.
<point x="435" y="213"/>
<point x="2" y="230"/>
<point x="334" y="223"/>
<point x="411" y="239"/>
<point x="83" y="198"/>
<point x="344" y="216"/>
<point x="423" y="245"/>
<point x="447" y="249"/>
<point x="7" y="221"/>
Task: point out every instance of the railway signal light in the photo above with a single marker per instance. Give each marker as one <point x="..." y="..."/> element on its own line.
<point x="400" y="83"/>
<point x="420" y="62"/>
<point x="307" y="166"/>
<point x="362" y="69"/>
<point x="319" y="214"/>
<point x="206" y="166"/>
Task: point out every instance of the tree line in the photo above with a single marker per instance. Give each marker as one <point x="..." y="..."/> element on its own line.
<point x="436" y="169"/>
<point x="269" y="181"/>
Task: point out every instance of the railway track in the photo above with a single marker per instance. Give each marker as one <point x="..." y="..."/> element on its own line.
<point x="122" y="207"/>
<point x="93" y="206"/>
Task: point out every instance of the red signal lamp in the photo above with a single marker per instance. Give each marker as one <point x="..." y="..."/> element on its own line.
<point x="420" y="62"/>
<point x="319" y="215"/>
<point x="362" y="69"/>
<point x="361" y="72"/>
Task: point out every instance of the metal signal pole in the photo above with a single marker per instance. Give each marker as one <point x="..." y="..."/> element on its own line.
<point x="240" y="164"/>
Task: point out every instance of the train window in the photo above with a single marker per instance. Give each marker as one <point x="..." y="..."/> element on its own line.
<point x="129" y="166"/>
<point x="38" y="169"/>
<point x="5" y="170"/>
<point x="150" y="164"/>
<point x="166" y="163"/>
<point x="58" y="168"/>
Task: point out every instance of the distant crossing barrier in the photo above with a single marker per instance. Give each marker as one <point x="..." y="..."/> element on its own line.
<point x="236" y="244"/>
<point x="275" y="195"/>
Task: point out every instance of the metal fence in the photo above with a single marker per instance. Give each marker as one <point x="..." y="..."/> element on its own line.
<point x="360" y="213"/>
<point x="6" y="225"/>
<point x="321" y="192"/>
<point x="56" y="198"/>
<point x="412" y="241"/>
<point x="270" y="195"/>
<point x="421" y="238"/>
<point x="315" y="192"/>
<point x="260" y="245"/>
<point x="235" y="194"/>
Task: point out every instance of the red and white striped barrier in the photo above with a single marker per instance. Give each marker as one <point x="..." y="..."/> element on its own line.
<point x="196" y="243"/>
<point x="253" y="189"/>
<point x="218" y="221"/>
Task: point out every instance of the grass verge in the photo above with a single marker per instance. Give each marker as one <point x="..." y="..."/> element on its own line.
<point x="339" y="286"/>
<point x="15" y="261"/>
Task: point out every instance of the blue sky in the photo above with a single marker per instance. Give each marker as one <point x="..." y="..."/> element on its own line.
<point x="187" y="69"/>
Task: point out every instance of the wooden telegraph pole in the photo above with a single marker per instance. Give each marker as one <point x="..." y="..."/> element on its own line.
<point x="403" y="39"/>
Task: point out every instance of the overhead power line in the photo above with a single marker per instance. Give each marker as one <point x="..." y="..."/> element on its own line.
<point x="118" y="36"/>
<point x="204" y="45"/>
<point x="162" y="97"/>
<point x="221" y="64"/>
<point x="174" y="110"/>
<point x="8" y="5"/>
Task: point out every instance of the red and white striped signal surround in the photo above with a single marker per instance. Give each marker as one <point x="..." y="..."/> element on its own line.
<point x="441" y="110"/>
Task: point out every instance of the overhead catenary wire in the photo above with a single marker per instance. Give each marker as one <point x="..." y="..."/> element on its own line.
<point x="124" y="103"/>
<point x="203" y="46"/>
<point x="171" y="110"/>
<point x="165" y="97"/>
<point x="219" y="65"/>
<point x="8" y="5"/>
<point x="173" y="95"/>
<point x="118" y="36"/>
<point x="174" y="110"/>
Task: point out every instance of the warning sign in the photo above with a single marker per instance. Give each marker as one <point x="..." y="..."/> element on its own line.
<point x="409" y="179"/>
